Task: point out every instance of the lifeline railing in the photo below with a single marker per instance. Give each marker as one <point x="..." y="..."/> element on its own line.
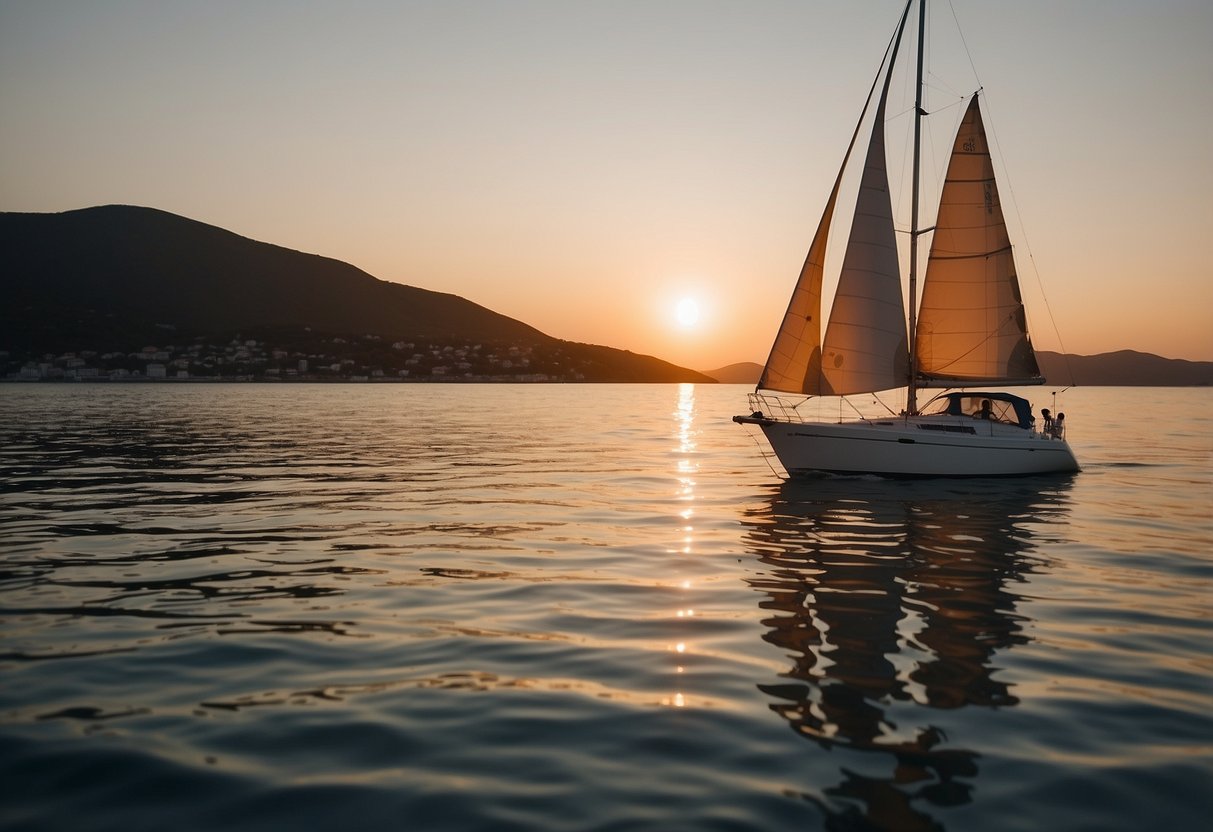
<point x="777" y="408"/>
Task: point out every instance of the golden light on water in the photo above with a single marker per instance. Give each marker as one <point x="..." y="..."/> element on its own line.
<point x="685" y="468"/>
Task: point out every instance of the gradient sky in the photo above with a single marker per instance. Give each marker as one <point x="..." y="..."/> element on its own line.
<point x="582" y="166"/>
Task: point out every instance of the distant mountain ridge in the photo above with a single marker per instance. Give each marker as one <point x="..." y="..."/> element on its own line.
<point x="743" y="372"/>
<point x="115" y="276"/>
<point x="1124" y="368"/>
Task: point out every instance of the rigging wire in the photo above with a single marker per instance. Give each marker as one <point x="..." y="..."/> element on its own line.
<point x="766" y="455"/>
<point x="881" y="402"/>
<point x="963" y="43"/>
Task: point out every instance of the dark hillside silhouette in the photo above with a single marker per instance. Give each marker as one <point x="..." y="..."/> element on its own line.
<point x="150" y="265"/>
<point x="117" y="277"/>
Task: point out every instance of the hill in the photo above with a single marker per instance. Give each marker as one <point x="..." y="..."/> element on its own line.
<point x="115" y="278"/>
<point x="745" y="372"/>
<point x="1124" y="368"/>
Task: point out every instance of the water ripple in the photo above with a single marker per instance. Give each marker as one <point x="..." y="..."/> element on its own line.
<point x="562" y="607"/>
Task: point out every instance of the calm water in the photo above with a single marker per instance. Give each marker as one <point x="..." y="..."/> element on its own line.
<point x="587" y="608"/>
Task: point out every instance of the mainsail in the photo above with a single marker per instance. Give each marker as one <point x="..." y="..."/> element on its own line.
<point x="971" y="326"/>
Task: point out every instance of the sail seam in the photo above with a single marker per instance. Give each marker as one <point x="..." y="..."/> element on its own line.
<point x="970" y="256"/>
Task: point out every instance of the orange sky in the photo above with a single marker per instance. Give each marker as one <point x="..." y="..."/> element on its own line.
<point x="584" y="166"/>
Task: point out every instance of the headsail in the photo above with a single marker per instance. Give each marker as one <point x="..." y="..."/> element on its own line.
<point x="794" y="365"/>
<point x="865" y="347"/>
<point x="971" y="323"/>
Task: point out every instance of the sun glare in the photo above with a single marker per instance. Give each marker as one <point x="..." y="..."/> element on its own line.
<point x="687" y="312"/>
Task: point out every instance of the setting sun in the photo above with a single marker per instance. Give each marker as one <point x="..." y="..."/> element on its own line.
<point x="687" y="312"/>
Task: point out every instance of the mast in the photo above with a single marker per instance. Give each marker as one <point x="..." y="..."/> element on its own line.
<point x="912" y="385"/>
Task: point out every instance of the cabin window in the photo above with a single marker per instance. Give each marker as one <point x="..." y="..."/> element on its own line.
<point x="1010" y="410"/>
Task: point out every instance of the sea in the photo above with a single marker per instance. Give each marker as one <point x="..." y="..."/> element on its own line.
<point x="259" y="607"/>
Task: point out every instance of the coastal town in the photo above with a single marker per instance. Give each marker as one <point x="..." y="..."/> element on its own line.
<point x="304" y="357"/>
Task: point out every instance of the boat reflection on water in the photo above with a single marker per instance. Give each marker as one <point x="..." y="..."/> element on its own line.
<point x="894" y="600"/>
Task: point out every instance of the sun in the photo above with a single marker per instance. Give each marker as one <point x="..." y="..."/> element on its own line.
<point x="686" y="312"/>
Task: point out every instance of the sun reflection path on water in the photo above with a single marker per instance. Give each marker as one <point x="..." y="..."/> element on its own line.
<point x="686" y="469"/>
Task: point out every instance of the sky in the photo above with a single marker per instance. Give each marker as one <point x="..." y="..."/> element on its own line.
<point x="644" y="174"/>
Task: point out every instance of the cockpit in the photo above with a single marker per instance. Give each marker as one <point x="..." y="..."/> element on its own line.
<point x="998" y="407"/>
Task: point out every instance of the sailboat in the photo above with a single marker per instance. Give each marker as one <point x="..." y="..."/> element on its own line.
<point x="966" y="333"/>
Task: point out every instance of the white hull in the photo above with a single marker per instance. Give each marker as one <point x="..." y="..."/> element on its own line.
<point x="920" y="446"/>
